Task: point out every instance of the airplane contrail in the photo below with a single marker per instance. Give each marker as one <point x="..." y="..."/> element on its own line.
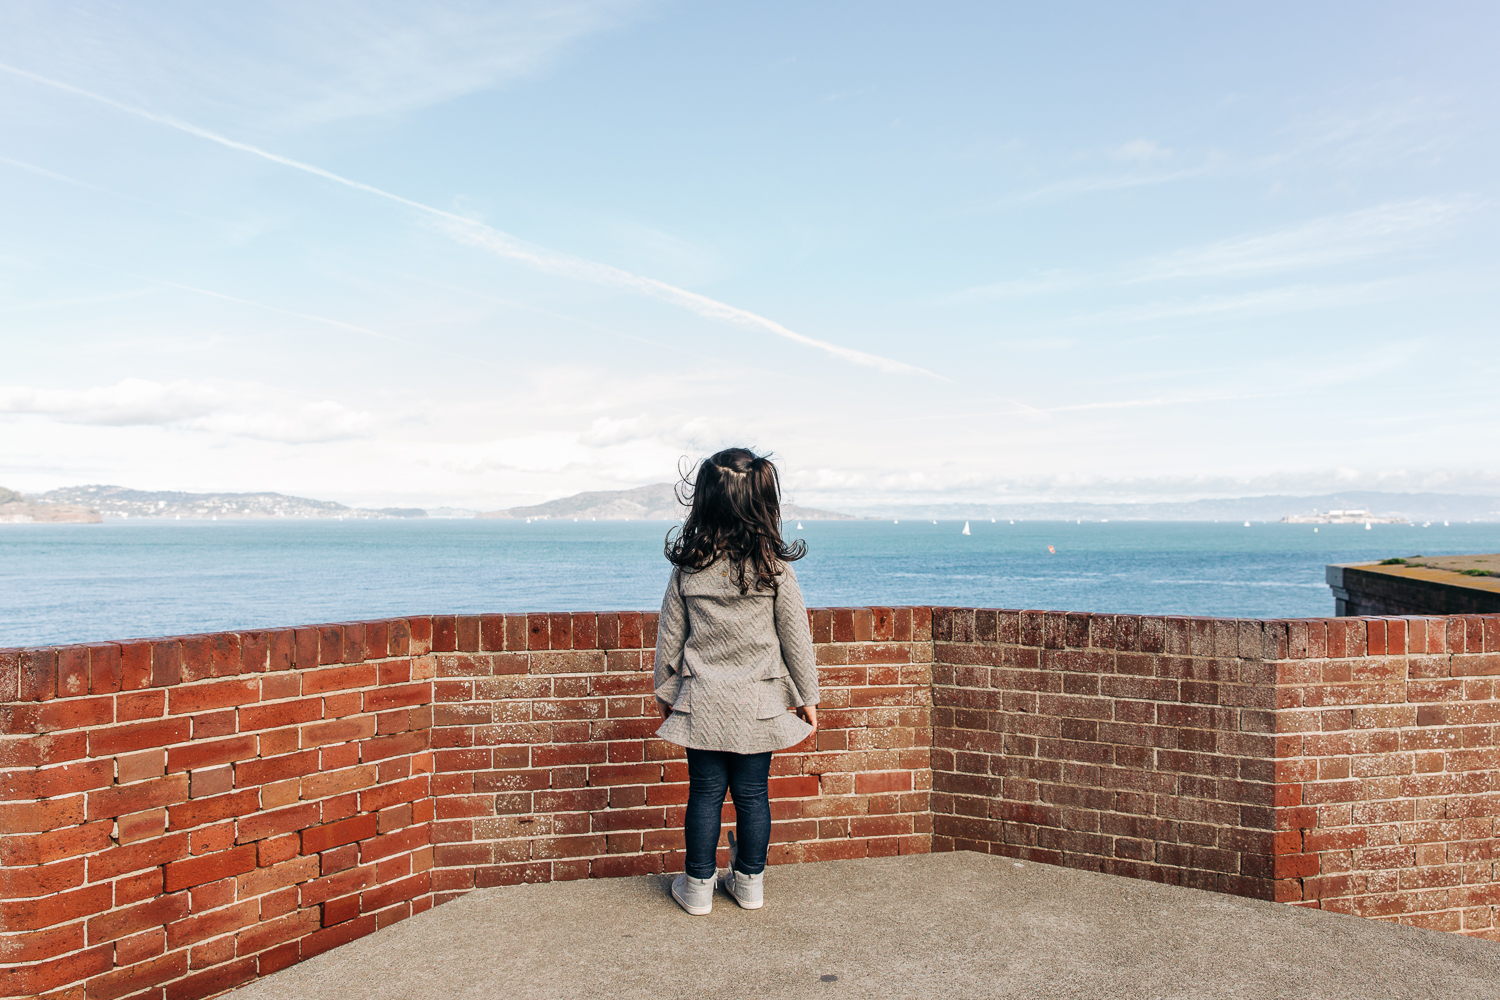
<point x="477" y="234"/>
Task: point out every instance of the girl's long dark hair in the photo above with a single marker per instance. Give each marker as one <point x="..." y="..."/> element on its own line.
<point x="734" y="511"/>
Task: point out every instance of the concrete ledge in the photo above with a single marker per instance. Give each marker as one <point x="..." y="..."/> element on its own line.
<point x="1373" y="589"/>
<point x="947" y="925"/>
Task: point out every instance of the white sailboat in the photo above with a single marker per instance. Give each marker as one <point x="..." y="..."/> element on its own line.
<point x="1367" y="525"/>
<point x="799" y="525"/>
<point x="966" y="527"/>
<point x="1247" y="524"/>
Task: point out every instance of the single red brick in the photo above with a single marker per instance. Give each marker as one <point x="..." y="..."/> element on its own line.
<point x="135" y="666"/>
<point x="138" y="736"/>
<point x="336" y="911"/>
<point x="37" y="674"/>
<point x="338" y="678"/>
<point x="141" y="826"/>
<point x="630" y="630"/>
<point x="210" y="781"/>
<point x="104" y="668"/>
<point x="135" y="705"/>
<point x="209" y="754"/>
<point x="444" y="633"/>
<point x="75" y="713"/>
<point x="466" y="633"/>
<point x="402" y="842"/>
<point x="378" y="640"/>
<point x="140" y="947"/>
<point x="280" y="714"/>
<point x="261" y="825"/>
<point x="224" y="648"/>
<point x="219" y="694"/>
<point x="407" y="695"/>
<point x="538" y="631"/>
<point x="354" y="642"/>
<point x="166" y="662"/>
<point x="72" y="671"/>
<point x="208" y="868"/>
<point x="330" y="645"/>
<point x="794" y="786"/>
<point x="491" y="633"/>
<point x="338" y="731"/>
<point x="419" y="636"/>
<point x="347" y="831"/>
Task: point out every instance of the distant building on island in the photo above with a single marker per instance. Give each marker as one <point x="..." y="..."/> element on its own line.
<point x="1359" y="516"/>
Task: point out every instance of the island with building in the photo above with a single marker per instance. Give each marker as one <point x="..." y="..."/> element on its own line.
<point x="1342" y="516"/>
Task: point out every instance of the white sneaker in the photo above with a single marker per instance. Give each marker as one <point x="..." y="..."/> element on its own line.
<point x="696" y="895"/>
<point x="748" y="890"/>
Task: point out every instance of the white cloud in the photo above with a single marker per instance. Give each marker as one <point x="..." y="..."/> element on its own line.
<point x="233" y="409"/>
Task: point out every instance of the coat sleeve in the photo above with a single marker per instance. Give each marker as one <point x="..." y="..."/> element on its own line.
<point x="796" y="638"/>
<point x="671" y="634"/>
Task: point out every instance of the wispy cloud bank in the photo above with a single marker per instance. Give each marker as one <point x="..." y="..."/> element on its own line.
<point x="232" y="408"/>
<point x="298" y="63"/>
<point x="503" y="244"/>
<point x="1330" y="240"/>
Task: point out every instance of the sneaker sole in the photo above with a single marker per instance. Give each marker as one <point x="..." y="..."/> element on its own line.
<point x="724" y="884"/>
<point x="697" y="911"/>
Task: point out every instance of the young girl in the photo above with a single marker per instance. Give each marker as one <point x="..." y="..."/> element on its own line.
<point x="733" y="655"/>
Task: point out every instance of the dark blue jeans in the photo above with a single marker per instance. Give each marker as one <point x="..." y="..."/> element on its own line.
<point x="710" y="772"/>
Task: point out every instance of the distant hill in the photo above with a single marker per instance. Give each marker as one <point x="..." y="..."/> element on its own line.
<point x="122" y="502"/>
<point x="657" y="502"/>
<point x="1415" y="507"/>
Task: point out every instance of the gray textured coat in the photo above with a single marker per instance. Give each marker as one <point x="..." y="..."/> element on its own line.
<point x="732" y="664"/>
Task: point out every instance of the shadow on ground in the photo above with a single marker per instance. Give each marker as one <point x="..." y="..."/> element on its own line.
<point x="944" y="925"/>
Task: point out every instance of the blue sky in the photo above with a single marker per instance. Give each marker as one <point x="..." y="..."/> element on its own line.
<point x="487" y="253"/>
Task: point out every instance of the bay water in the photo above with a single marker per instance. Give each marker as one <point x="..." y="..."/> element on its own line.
<point x="124" y="579"/>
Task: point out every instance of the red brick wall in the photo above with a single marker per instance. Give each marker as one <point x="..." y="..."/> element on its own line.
<point x="548" y="769"/>
<point x="1347" y="764"/>
<point x="1130" y="745"/>
<point x="182" y="815"/>
<point x="1388" y="770"/>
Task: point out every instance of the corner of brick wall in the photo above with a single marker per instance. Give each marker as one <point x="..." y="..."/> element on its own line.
<point x="1388" y="770"/>
<point x="183" y="815"/>
<point x="1127" y="744"/>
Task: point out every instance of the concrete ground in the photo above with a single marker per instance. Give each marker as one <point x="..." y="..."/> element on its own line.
<point x="953" y="926"/>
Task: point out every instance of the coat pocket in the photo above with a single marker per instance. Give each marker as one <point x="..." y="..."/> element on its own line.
<point x="773" y="697"/>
